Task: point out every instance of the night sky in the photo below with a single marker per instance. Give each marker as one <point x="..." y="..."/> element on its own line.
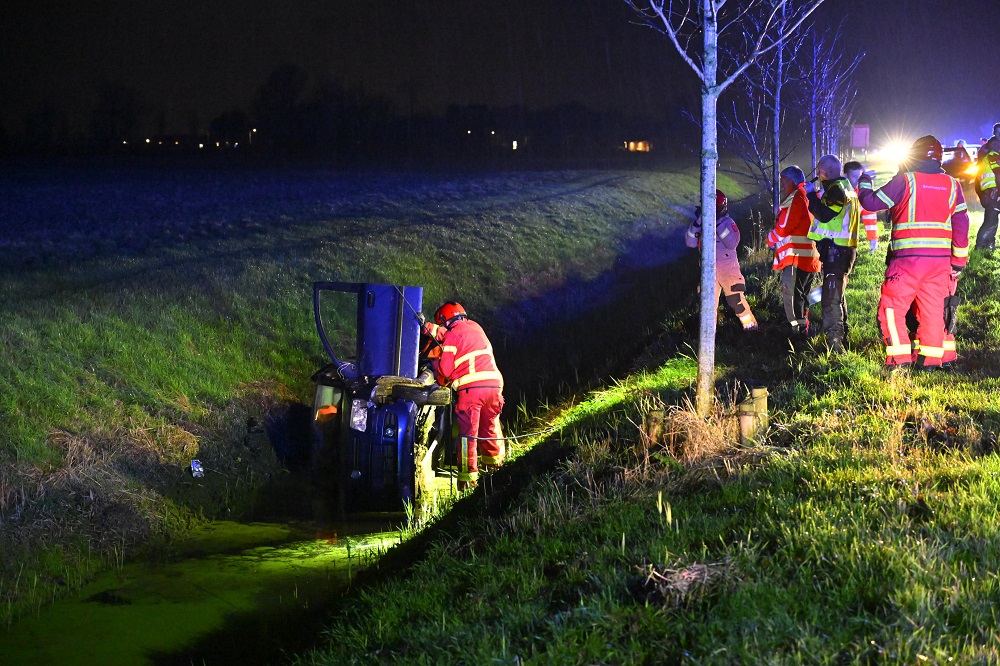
<point x="924" y="71"/>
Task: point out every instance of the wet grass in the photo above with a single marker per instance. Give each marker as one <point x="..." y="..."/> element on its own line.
<point x="132" y="347"/>
<point x="860" y="527"/>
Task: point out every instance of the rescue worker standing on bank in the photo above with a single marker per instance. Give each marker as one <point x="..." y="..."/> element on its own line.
<point x="467" y="365"/>
<point x="989" y="194"/>
<point x="794" y="254"/>
<point x="928" y="248"/>
<point x="835" y="228"/>
<point x="728" y="276"/>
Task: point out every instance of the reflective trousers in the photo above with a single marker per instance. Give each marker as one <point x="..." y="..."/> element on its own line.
<point x="477" y="412"/>
<point x="924" y="282"/>
<point x="729" y="281"/>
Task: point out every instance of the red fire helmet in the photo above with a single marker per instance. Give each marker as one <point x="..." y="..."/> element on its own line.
<point x="721" y="203"/>
<point x="448" y="313"/>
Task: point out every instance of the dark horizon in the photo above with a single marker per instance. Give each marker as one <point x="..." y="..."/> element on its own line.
<point x="191" y="62"/>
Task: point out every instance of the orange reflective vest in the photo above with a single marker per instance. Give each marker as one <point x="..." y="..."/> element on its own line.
<point x="789" y="238"/>
<point x="870" y="221"/>
<point x="466" y="357"/>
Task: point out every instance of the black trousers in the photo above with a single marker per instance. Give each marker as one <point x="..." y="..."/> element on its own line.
<point x="837" y="264"/>
<point x="987" y="236"/>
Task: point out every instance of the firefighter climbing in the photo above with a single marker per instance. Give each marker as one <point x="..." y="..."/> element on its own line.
<point x="467" y="365"/>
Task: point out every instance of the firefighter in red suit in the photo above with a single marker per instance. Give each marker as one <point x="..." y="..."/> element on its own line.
<point x="794" y="254"/>
<point x="928" y="248"/>
<point x="728" y="276"/>
<point x="467" y="365"/>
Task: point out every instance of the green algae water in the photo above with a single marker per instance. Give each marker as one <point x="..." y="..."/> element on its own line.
<point x="233" y="593"/>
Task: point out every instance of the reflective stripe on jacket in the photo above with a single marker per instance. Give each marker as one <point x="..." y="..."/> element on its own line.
<point x="989" y="165"/>
<point x="927" y="212"/>
<point x="789" y="239"/>
<point x="869" y="220"/>
<point x="467" y="357"/>
<point x="837" y="215"/>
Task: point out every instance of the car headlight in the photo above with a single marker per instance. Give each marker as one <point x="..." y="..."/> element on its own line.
<point x="359" y="415"/>
<point x="972" y="170"/>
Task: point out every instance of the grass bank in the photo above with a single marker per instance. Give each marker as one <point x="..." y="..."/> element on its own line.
<point x="861" y="527"/>
<point x="140" y="342"/>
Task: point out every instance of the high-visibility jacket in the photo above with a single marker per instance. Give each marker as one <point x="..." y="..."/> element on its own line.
<point x="837" y="215"/>
<point x="869" y="220"/>
<point x="989" y="165"/>
<point x="790" y="239"/>
<point x="466" y="357"/>
<point x="927" y="213"/>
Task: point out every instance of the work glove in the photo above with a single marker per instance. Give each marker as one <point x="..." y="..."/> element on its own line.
<point x="874" y="244"/>
<point x="868" y="175"/>
<point x="956" y="271"/>
<point x="421" y="318"/>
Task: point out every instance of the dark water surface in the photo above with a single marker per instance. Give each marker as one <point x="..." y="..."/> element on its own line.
<point x="230" y="589"/>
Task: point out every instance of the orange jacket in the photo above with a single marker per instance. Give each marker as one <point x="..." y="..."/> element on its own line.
<point x="466" y="356"/>
<point x="870" y="220"/>
<point x="788" y="239"/>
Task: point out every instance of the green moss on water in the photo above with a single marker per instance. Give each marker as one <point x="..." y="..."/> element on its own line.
<point x="224" y="572"/>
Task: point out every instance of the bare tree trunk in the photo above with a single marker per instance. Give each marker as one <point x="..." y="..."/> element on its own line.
<point x="779" y="80"/>
<point x="814" y="137"/>
<point x="709" y="160"/>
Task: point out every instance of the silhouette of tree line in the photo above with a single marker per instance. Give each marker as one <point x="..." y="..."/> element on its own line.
<point x="292" y="115"/>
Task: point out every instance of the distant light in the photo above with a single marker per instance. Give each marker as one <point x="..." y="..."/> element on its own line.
<point x="492" y="131"/>
<point x="177" y="143"/>
<point x="469" y="132"/>
<point x="216" y="144"/>
<point x="124" y="143"/>
<point x="514" y="147"/>
<point x="201" y="145"/>
<point x="896" y="152"/>
<point x="254" y="129"/>
<point x="147" y="140"/>
<point x="236" y="145"/>
<point x="159" y="143"/>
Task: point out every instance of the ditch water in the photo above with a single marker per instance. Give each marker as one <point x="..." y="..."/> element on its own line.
<point x="232" y="593"/>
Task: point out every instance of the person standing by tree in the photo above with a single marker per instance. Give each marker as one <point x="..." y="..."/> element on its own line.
<point x="794" y="254"/>
<point x="835" y="228"/>
<point x="928" y="249"/>
<point x="989" y="194"/>
<point x="728" y="276"/>
<point x="869" y="219"/>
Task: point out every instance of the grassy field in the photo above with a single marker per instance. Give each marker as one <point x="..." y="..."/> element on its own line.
<point x="139" y="336"/>
<point x="861" y="527"/>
